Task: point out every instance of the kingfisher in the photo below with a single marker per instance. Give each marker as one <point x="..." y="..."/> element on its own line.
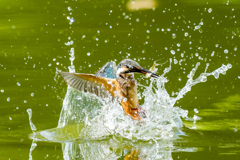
<point x="116" y="81"/>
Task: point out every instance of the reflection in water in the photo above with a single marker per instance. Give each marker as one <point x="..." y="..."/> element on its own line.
<point x="133" y="155"/>
<point x="112" y="150"/>
<point x="86" y="120"/>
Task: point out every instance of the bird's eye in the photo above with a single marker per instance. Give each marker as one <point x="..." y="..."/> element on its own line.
<point x="130" y="67"/>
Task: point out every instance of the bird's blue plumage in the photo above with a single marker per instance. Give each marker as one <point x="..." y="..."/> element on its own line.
<point x="109" y="70"/>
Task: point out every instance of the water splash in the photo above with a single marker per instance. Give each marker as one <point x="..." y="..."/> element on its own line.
<point x="33" y="146"/>
<point x="85" y="116"/>
<point x="33" y="127"/>
<point x="202" y="78"/>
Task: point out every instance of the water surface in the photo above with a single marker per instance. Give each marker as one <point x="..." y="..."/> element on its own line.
<point x="36" y="38"/>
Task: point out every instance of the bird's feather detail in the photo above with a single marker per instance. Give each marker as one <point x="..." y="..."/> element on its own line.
<point x="99" y="86"/>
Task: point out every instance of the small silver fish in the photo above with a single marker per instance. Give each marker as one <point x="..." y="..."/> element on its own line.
<point x="153" y="68"/>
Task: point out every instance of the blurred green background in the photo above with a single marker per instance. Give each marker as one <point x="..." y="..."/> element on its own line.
<point x="34" y="43"/>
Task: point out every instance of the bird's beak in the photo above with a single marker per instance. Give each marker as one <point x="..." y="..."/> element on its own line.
<point x="145" y="71"/>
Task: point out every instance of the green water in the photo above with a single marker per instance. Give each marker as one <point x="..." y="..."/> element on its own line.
<point x="32" y="45"/>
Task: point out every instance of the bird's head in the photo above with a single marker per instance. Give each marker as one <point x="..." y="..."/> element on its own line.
<point x="127" y="66"/>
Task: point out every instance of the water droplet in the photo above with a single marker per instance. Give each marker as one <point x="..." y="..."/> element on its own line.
<point x="175" y="61"/>
<point x="210" y="10"/>
<point x="174" y="36"/>
<point x="124" y="99"/>
<point x="229" y="66"/>
<point x="212" y="53"/>
<point x="172" y="52"/>
<point x="69" y="43"/>
<point x="69" y="9"/>
<point x="196" y="110"/>
<point x="197" y="27"/>
<point x="226" y="51"/>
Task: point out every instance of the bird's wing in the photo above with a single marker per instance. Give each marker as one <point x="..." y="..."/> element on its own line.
<point x="109" y="70"/>
<point x="99" y="86"/>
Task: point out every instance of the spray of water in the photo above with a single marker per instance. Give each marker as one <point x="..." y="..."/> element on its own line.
<point x="85" y="116"/>
<point x="33" y="127"/>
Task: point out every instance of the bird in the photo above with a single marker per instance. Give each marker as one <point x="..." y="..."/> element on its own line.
<point x="118" y="81"/>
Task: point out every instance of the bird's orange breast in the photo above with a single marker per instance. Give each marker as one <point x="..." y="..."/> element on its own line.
<point x="129" y="96"/>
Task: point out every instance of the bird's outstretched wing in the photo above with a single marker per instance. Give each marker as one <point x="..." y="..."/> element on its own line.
<point x="99" y="86"/>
